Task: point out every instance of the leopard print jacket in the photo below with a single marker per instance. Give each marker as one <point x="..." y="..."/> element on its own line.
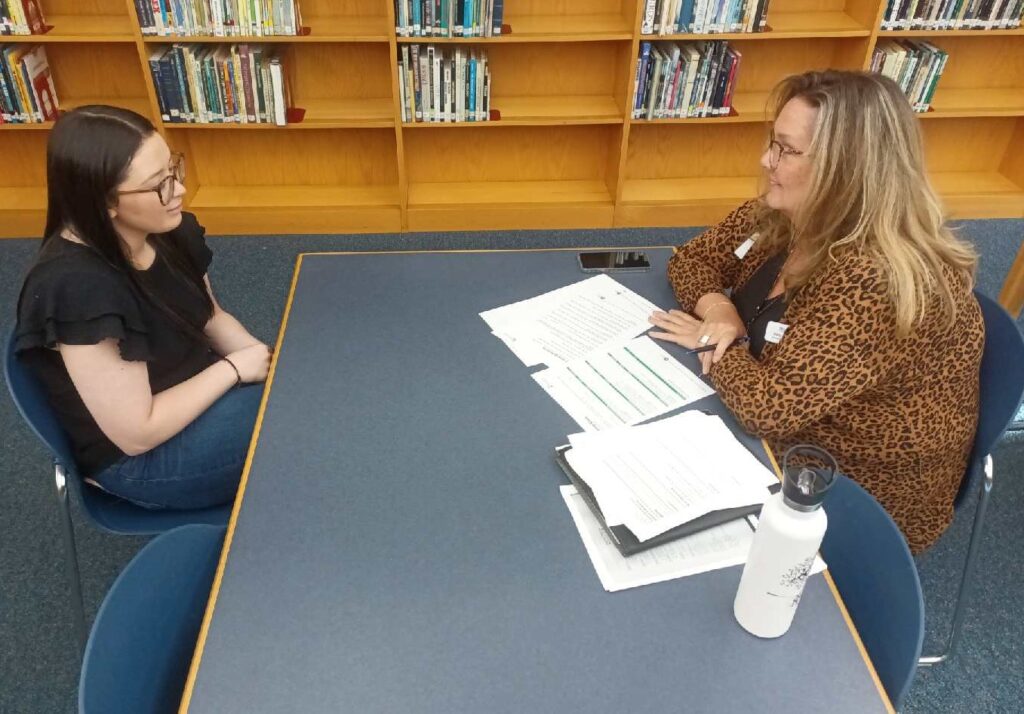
<point x="897" y="414"/>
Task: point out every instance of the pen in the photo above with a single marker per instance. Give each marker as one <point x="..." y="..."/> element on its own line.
<point x="708" y="348"/>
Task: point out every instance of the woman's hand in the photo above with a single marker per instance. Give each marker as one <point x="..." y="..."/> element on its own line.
<point x="721" y="327"/>
<point x="252" y="362"/>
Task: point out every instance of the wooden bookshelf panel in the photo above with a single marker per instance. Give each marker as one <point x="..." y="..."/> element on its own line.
<point x="345" y="19"/>
<point x="341" y="83"/>
<point x="983" y="76"/>
<point x="973" y="165"/>
<point x="705" y="150"/>
<point x="86" y="74"/>
<point x="23" y="191"/>
<point x="688" y="175"/>
<point x="553" y="70"/>
<point x="537" y="19"/>
<point x="820" y="17"/>
<point x="87" y="21"/>
<point x="514" y="177"/>
<point x="334" y="181"/>
<point x="765" y="63"/>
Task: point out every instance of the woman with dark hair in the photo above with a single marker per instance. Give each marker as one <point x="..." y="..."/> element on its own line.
<point x="118" y="321"/>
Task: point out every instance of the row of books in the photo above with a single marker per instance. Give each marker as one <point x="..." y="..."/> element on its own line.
<point x="213" y="84"/>
<point x="450" y="84"/>
<point x="685" y="79"/>
<point x="952" y="14"/>
<point x="915" y="66"/>
<point x="27" y="94"/>
<point x="220" y="18"/>
<point x="449" y="18"/>
<point x="21" y="17"/>
<point x="699" y="17"/>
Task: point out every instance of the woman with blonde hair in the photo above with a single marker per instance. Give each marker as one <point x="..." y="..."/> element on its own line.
<point x="839" y="304"/>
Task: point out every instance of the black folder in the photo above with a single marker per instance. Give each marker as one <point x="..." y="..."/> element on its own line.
<point x="624" y="539"/>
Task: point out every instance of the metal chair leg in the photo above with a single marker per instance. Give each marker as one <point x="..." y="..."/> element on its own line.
<point x="71" y="556"/>
<point x="966" y="581"/>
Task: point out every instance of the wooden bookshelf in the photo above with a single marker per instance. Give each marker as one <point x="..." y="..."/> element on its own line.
<point x="565" y="152"/>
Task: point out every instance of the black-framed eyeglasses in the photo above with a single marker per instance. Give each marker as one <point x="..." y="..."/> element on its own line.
<point x="776" y="151"/>
<point x="165" y="189"/>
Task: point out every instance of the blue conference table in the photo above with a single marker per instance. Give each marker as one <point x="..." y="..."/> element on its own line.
<point x="399" y="543"/>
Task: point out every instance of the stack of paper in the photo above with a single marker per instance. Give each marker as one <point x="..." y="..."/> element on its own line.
<point x="622" y="386"/>
<point x="571" y="322"/>
<point x="600" y="372"/>
<point x="655" y="477"/>
<point x="711" y="549"/>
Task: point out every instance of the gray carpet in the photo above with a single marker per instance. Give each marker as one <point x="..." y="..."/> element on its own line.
<point x="251" y="275"/>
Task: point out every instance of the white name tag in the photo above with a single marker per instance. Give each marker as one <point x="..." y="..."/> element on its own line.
<point x="774" y="332"/>
<point x="745" y="247"/>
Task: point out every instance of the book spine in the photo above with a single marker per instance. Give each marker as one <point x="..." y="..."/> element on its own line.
<point x="498" y="16"/>
<point x="277" y="80"/>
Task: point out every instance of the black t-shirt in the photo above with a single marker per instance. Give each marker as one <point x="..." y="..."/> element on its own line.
<point x="71" y="295"/>
<point x="756" y="309"/>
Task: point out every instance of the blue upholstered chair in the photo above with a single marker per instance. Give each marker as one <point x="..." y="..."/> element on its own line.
<point x="105" y="512"/>
<point x="138" y="654"/>
<point x="875" y="573"/>
<point x="1002" y="388"/>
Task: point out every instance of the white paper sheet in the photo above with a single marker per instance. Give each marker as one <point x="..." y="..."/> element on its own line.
<point x="656" y="476"/>
<point x="622" y="386"/>
<point x="719" y="547"/>
<point x="571" y="322"/>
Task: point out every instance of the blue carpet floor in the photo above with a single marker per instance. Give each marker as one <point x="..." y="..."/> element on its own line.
<point x="38" y="662"/>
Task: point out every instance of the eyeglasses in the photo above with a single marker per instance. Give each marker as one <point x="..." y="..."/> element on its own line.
<point x="776" y="151"/>
<point x="165" y="189"/>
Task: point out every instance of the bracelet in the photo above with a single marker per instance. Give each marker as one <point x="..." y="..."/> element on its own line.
<point x="727" y="301"/>
<point x="238" y="375"/>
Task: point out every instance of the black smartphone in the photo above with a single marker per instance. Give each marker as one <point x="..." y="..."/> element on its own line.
<point x="609" y="261"/>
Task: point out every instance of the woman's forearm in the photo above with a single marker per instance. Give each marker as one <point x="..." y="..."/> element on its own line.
<point x="173" y="409"/>
<point x="226" y="334"/>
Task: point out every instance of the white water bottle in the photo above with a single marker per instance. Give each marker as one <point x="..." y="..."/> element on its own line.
<point x="789" y="533"/>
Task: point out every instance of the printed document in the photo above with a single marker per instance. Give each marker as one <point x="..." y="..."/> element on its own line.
<point x="654" y="477"/>
<point x="622" y="386"/>
<point x="571" y="322"/>
<point x="718" y="547"/>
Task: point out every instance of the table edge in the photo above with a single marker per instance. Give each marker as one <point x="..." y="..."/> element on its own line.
<point x="197" y="657"/>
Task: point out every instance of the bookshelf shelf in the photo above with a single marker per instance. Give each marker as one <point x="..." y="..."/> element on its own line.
<point x="321" y="29"/>
<point x="320" y="114"/>
<point x="980" y="102"/>
<point x="512" y="204"/>
<point x="785" y="26"/>
<point x="546" y="28"/>
<point x="564" y="152"/>
<point x="84" y="28"/>
<point x="542" y="111"/>
<point x="979" y="34"/>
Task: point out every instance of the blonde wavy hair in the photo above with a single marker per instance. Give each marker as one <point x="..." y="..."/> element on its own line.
<point x="869" y="192"/>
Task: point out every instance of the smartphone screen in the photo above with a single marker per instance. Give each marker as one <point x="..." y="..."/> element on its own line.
<point x="612" y="260"/>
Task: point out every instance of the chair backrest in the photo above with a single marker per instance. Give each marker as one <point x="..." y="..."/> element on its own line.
<point x="874" y="571"/>
<point x="1001" y="385"/>
<point x="141" y="644"/>
<point x="30" y="399"/>
<point x="107" y="512"/>
<point x="1002" y="375"/>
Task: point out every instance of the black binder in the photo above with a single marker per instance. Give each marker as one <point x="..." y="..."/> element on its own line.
<point x="624" y="539"/>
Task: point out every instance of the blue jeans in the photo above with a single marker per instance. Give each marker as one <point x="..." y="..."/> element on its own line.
<point x="198" y="467"/>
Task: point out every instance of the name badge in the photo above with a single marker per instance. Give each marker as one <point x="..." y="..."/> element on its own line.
<point x="774" y="332"/>
<point x="745" y="247"/>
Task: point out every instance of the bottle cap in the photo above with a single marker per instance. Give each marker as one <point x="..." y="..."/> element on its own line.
<point x="808" y="474"/>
